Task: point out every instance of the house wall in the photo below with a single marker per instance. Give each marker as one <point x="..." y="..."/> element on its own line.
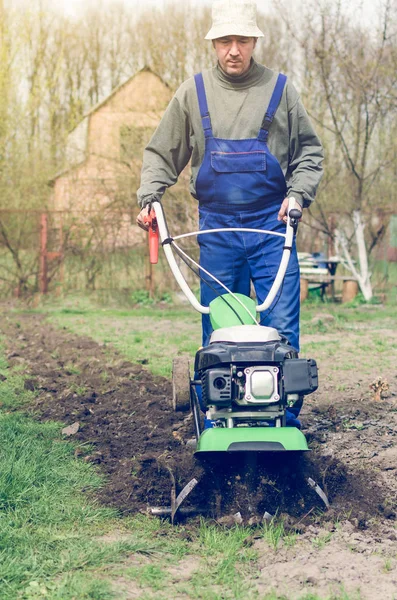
<point x="139" y="103"/>
<point x="95" y="182"/>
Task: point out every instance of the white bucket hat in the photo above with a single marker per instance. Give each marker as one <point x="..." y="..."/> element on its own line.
<point x="233" y="17"/>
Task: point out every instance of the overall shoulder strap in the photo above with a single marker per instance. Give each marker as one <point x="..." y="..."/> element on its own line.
<point x="272" y="108"/>
<point x="202" y="100"/>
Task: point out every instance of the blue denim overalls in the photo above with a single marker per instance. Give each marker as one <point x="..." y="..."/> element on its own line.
<point x="241" y="184"/>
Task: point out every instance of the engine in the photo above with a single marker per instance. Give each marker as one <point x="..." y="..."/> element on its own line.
<point x="253" y="375"/>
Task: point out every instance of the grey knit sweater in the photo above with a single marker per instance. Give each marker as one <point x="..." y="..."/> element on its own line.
<point x="237" y="106"/>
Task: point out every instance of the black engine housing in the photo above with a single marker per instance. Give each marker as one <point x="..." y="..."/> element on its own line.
<point x="217" y="364"/>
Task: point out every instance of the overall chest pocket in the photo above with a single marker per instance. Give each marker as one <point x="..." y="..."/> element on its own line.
<point x="238" y="162"/>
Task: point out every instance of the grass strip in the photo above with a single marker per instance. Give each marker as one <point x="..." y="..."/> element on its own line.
<point x="141" y="335"/>
<point x="153" y="335"/>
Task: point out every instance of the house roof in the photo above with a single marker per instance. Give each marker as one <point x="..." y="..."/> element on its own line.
<point x="99" y="105"/>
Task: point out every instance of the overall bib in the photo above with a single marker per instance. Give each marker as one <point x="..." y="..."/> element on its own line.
<point x="241" y="184"/>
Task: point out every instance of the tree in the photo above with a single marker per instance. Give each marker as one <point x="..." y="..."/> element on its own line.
<point x="350" y="78"/>
<point x="53" y="69"/>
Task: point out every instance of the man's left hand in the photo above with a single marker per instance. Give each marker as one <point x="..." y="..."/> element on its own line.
<point x="282" y="213"/>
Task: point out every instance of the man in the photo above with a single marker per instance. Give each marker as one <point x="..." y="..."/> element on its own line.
<point x="251" y="147"/>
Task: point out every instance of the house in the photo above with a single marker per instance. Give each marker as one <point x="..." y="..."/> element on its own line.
<point x="91" y="222"/>
<point x="104" y="155"/>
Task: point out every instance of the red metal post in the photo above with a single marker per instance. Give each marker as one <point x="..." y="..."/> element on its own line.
<point x="62" y="266"/>
<point x="43" y="281"/>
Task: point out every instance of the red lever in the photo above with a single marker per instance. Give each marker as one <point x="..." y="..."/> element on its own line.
<point x="153" y="236"/>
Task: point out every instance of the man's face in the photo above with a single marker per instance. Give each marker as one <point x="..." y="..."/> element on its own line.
<point x="234" y="53"/>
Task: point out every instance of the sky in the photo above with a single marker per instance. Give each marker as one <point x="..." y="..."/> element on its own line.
<point x="74" y="7"/>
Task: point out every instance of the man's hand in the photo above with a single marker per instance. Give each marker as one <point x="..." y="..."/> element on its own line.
<point x="140" y="218"/>
<point x="282" y="213"/>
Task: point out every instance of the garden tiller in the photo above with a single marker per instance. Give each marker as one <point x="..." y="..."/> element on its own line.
<point x="248" y="376"/>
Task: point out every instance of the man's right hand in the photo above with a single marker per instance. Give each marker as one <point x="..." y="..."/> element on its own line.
<point x="140" y="218"/>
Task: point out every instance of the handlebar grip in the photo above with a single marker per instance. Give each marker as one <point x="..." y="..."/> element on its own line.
<point x="295" y="213"/>
<point x="153" y="237"/>
<point x="153" y="245"/>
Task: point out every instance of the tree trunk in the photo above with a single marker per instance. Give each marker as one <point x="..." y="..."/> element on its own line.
<point x="362" y="275"/>
<point x="365" y="275"/>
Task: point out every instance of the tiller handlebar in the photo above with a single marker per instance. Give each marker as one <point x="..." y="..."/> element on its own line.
<point x="158" y="229"/>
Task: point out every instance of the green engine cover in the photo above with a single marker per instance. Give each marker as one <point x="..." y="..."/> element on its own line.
<point x="252" y="439"/>
<point x="226" y="311"/>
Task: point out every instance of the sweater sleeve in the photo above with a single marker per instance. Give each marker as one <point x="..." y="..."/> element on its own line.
<point x="305" y="156"/>
<point x="166" y="155"/>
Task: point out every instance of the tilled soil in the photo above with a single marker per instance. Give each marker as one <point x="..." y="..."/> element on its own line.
<point x="140" y="444"/>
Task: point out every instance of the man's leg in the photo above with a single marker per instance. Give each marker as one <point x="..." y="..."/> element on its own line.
<point x="222" y="255"/>
<point x="283" y="315"/>
<point x="264" y="256"/>
<point x="264" y="260"/>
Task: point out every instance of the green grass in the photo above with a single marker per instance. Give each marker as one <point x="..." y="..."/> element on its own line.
<point x="153" y="335"/>
<point x="274" y="533"/>
<point x="72" y="369"/>
<point x="152" y="576"/>
<point x="225" y="565"/>
<point x="346" y="317"/>
<point x="362" y="336"/>
<point x="322" y="540"/>
<point x="12" y="392"/>
<point x="149" y="335"/>
<point x="49" y="521"/>
<point x="71" y="587"/>
<point x="47" y="524"/>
